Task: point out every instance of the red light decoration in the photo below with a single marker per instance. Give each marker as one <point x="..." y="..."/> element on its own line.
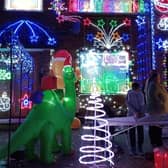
<point x="161" y="157"/>
<point x="87" y="22"/>
<point x="161" y="5"/>
<point x="25" y="102"/>
<point x="127" y="22"/>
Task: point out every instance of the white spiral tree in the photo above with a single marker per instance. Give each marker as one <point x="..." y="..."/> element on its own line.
<point x="97" y="150"/>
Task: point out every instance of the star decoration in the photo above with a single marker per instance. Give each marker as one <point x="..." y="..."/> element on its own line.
<point x="160" y="43"/>
<point x="57" y="6"/>
<point x="113" y="23"/>
<point x="140" y="20"/>
<point x="125" y="37"/>
<point x="25" y="102"/>
<point x="51" y="41"/>
<point x="90" y="37"/>
<point x="127" y="22"/>
<point x="87" y="22"/>
<point x="34" y="38"/>
<point x="100" y="22"/>
<point x="99" y="35"/>
<point x="60" y="18"/>
<point x="116" y="35"/>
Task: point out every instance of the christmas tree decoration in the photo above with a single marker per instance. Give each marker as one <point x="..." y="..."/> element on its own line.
<point x="95" y="133"/>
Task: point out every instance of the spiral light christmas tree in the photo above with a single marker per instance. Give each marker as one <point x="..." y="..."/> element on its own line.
<point x="94" y="153"/>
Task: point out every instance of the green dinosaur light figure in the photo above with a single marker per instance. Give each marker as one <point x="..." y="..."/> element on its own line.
<point x="45" y="121"/>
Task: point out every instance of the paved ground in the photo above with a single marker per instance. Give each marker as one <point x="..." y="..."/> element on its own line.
<point x="122" y="158"/>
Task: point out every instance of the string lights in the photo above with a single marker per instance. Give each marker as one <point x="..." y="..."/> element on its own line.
<point x="94" y="154"/>
<point x="4" y="102"/>
<point x="36" y="31"/>
<point x="107" y="39"/>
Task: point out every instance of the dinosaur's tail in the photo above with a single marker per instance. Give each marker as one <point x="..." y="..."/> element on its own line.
<point x="27" y="130"/>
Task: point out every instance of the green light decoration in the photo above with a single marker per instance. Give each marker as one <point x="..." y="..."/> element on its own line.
<point x="111" y="38"/>
<point x="100" y="23"/>
<point x="141" y="6"/>
<point x="113" y="23"/>
<point x="108" y="69"/>
<point x="4" y="75"/>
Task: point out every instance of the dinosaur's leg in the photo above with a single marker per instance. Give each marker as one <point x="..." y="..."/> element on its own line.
<point x="67" y="140"/>
<point x="46" y="143"/>
<point x="30" y="151"/>
<point x="26" y="131"/>
<point x="56" y="145"/>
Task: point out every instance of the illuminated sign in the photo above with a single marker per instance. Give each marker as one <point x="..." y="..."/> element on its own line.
<point x="116" y="59"/>
<point x="161" y="5"/>
<point x="4" y="102"/>
<point x="108" y="71"/>
<point x="26" y="5"/>
<point x="163" y="23"/>
<point x="107" y="6"/>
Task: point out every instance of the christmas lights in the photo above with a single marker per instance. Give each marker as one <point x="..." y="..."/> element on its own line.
<point x="94" y="154"/>
<point x="4" y="75"/>
<point x="163" y="23"/>
<point x="25" y="102"/>
<point x="161" y="5"/>
<point x="4" y="102"/>
<point x="153" y="36"/>
<point x="107" y="40"/>
<point x="58" y="6"/>
<point x="34" y="29"/>
<point x="107" y="6"/>
<point x="109" y="68"/>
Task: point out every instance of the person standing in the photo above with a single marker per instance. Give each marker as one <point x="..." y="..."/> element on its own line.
<point x="135" y="103"/>
<point x="156" y="103"/>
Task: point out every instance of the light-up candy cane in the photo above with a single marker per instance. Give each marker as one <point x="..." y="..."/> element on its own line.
<point x="94" y="154"/>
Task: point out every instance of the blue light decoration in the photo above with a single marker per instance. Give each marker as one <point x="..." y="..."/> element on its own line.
<point x="143" y="59"/>
<point x="16" y="65"/>
<point x="104" y="39"/>
<point x="153" y="35"/>
<point x="162" y="45"/>
<point x="34" y="29"/>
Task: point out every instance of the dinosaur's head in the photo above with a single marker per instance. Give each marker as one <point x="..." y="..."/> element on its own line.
<point x="68" y="73"/>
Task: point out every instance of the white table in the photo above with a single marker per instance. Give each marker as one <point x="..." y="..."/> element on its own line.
<point x="131" y="122"/>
